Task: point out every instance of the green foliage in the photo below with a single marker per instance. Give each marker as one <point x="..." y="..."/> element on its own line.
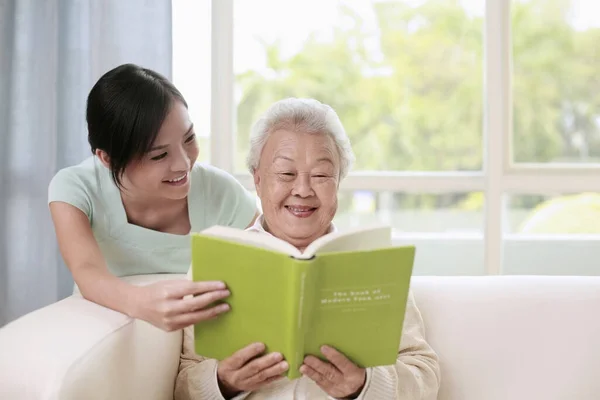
<point x="402" y="111"/>
<point x="555" y="81"/>
<point x="565" y="215"/>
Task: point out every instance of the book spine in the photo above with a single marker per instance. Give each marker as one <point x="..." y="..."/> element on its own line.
<point x="297" y="317"/>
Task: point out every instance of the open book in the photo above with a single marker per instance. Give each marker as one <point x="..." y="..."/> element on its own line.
<point x="347" y="290"/>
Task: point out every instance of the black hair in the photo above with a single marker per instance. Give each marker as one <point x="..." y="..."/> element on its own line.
<point x="125" y="110"/>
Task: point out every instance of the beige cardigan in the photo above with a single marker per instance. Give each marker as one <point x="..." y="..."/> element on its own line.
<point x="415" y="376"/>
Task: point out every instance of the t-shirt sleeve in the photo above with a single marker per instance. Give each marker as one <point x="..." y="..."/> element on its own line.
<point x="231" y="204"/>
<point x="66" y="186"/>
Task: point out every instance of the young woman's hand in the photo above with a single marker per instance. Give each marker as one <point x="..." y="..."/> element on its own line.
<point x="244" y="371"/>
<point x="176" y="304"/>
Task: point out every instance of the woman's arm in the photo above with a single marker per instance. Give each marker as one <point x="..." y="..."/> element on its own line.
<point x="416" y="374"/>
<point x="163" y="304"/>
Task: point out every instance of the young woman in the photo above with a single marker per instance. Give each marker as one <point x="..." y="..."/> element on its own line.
<point x="129" y="208"/>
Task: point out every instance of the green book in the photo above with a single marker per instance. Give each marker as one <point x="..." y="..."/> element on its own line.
<point x="347" y="290"/>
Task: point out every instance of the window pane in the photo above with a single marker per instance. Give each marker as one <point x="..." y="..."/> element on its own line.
<point x="556" y="55"/>
<point x="191" y="64"/>
<point x="407" y="213"/>
<point x="405" y="76"/>
<point x="555" y="235"/>
<point x="447" y="229"/>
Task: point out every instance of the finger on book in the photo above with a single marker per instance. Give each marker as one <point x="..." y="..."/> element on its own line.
<point x="313" y="374"/>
<point x="339" y="360"/>
<point x="330" y="372"/>
<point x="242" y="356"/>
<point x="257" y="370"/>
<point x="270" y="373"/>
<point x="185" y="288"/>
<point x="201" y="301"/>
<point x="191" y="318"/>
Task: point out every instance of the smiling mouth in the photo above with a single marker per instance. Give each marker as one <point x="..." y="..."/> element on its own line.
<point x="177" y="181"/>
<point x="301" y="211"/>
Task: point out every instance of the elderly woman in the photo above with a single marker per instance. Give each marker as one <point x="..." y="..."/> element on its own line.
<point x="299" y="153"/>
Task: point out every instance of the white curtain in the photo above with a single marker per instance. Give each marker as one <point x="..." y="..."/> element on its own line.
<point x="51" y="53"/>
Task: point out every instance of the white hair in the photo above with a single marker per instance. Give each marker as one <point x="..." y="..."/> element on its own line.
<point x="300" y="115"/>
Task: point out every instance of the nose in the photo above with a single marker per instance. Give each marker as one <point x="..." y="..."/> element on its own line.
<point x="181" y="161"/>
<point x="302" y="186"/>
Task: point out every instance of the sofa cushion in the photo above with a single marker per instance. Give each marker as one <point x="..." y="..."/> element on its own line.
<point x="514" y="337"/>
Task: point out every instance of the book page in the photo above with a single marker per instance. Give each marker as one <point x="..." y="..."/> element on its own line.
<point x="252" y="238"/>
<point x="360" y="239"/>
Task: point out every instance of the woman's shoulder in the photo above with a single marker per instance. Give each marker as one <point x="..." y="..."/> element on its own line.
<point x="83" y="170"/>
<point x="76" y="184"/>
<point x="86" y="175"/>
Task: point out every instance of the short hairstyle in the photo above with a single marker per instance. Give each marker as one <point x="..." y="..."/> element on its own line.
<point x="125" y="110"/>
<point x="300" y="115"/>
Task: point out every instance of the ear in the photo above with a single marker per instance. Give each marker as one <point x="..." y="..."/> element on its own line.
<point x="103" y="157"/>
<point x="256" y="177"/>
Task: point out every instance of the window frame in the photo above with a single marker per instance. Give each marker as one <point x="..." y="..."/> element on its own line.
<point x="499" y="176"/>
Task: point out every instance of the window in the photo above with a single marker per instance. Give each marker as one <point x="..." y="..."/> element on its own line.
<point x="556" y="85"/>
<point x="406" y="80"/>
<point x="473" y="122"/>
<point x="191" y="66"/>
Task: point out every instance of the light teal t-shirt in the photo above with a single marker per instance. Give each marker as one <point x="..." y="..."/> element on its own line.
<point x="215" y="198"/>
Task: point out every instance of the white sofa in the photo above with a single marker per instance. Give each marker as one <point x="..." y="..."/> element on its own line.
<point x="498" y="338"/>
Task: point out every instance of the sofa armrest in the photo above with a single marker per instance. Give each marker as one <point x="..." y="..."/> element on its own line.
<point x="76" y="349"/>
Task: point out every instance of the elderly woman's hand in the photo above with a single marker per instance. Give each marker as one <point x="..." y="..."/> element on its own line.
<point x="340" y="378"/>
<point x="245" y="371"/>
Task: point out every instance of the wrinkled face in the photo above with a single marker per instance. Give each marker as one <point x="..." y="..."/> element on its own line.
<point x="164" y="171"/>
<point x="297" y="182"/>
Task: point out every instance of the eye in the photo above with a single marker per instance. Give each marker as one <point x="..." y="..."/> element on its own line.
<point x="321" y="176"/>
<point x="286" y="176"/>
<point x="159" y="157"/>
<point x="190" y="138"/>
